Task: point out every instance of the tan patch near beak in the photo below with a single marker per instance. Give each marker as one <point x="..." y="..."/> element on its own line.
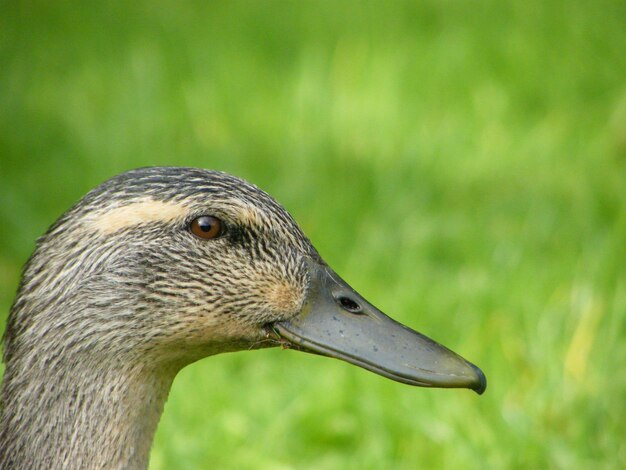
<point x="285" y="297"/>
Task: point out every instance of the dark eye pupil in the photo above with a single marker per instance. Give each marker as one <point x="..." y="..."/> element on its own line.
<point x="205" y="224"/>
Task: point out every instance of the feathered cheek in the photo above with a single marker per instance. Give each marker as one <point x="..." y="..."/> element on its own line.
<point x="284" y="297"/>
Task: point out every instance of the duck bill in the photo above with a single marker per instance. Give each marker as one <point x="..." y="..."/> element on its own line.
<point x="337" y="322"/>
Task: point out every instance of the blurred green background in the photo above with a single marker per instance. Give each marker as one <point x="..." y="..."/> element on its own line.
<point x="461" y="163"/>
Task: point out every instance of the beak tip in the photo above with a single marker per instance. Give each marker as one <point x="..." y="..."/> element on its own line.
<point x="481" y="384"/>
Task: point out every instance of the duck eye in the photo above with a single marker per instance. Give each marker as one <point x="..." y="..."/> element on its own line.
<point x="207" y="227"/>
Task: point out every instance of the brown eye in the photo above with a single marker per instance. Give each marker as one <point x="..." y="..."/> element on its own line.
<point x="207" y="227"/>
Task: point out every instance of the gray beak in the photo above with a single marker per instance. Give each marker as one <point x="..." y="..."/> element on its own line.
<point x="337" y="322"/>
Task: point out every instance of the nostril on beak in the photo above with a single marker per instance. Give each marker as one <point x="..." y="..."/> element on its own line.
<point x="348" y="304"/>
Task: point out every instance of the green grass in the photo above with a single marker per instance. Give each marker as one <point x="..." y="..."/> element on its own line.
<point x="462" y="164"/>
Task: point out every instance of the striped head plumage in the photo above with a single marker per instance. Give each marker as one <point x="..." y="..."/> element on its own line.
<point x="127" y="249"/>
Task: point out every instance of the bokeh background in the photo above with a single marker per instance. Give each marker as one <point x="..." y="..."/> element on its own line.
<point x="461" y="163"/>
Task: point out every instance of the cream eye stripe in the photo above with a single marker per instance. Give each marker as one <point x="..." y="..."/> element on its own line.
<point x="139" y="212"/>
<point x="150" y="210"/>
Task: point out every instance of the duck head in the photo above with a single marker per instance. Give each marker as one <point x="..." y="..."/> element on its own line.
<point x="188" y="263"/>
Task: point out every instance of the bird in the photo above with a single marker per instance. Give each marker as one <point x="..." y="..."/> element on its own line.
<point x="157" y="268"/>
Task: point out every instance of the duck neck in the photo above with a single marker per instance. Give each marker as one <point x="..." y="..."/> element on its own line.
<point x="89" y="416"/>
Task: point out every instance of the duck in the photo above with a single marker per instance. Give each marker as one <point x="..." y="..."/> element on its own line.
<point x="157" y="268"/>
